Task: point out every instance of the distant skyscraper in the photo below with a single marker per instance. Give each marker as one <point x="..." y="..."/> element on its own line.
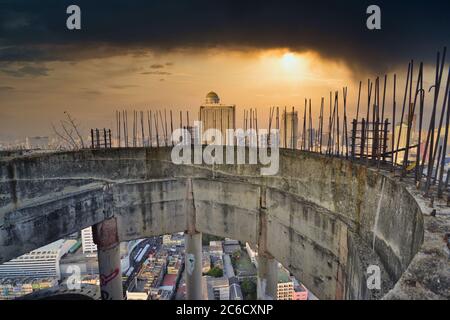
<point x="215" y="115"/>
<point x="37" y="142"/>
<point x="87" y="241"/>
<point x="289" y="129"/>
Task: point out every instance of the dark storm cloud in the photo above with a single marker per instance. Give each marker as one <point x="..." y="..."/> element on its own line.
<point x="32" y="30"/>
<point x="22" y="53"/>
<point x="24" y="71"/>
<point x="91" y="92"/>
<point x="157" y="73"/>
<point x="123" y="86"/>
<point x="157" y="66"/>
<point x="6" y="88"/>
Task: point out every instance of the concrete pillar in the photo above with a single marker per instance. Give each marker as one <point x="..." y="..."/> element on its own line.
<point x="267" y="278"/>
<point x="108" y="252"/>
<point x="193" y="265"/>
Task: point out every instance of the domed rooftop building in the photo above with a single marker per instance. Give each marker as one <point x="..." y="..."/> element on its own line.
<point x="215" y="115"/>
<point x="212" y="98"/>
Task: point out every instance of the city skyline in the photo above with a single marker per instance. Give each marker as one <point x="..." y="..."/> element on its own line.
<point x="46" y="69"/>
<point x="224" y="150"/>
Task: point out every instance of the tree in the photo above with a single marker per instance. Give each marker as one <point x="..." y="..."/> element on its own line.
<point x="248" y="288"/>
<point x="234" y="258"/>
<point x="69" y="130"/>
<point x="215" y="272"/>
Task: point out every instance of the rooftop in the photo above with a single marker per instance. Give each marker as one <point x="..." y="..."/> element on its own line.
<point x="283" y="276"/>
<point x="169" y="280"/>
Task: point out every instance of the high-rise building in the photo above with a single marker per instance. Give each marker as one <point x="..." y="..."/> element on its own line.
<point x="220" y="287"/>
<point x="285" y="286"/>
<point x="37" y="142"/>
<point x="215" y="115"/>
<point x="39" y="263"/>
<point x="87" y="241"/>
<point x="289" y="129"/>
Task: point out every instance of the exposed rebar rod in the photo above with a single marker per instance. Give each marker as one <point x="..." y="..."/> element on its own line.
<point x="345" y="121"/>
<point x="119" y="128"/>
<point x="149" y="123"/>
<point x="310" y="136"/>
<point x="441" y="119"/>
<point x="156" y="128"/>
<point x="410" y="119"/>
<point x="142" y="128"/>
<point x="171" y="127"/>
<point x="304" y="127"/>
<point x="369" y="98"/>
<point x="359" y="100"/>
<point x="437" y="85"/>
<point x="394" y="105"/>
<point x="384" y="97"/>
<point x="285" y="127"/>
<point x="165" y="126"/>
<point x="447" y="123"/>
<point x="435" y="173"/>
<point x="337" y="122"/>
<point x="403" y="111"/>
<point x="321" y="125"/>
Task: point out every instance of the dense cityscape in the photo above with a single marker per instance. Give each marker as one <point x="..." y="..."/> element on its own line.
<point x="152" y="269"/>
<point x="223" y="157"/>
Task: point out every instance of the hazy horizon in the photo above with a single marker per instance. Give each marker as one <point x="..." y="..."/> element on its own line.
<point x="174" y="58"/>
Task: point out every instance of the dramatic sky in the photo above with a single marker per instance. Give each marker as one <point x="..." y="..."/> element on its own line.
<point x="170" y="53"/>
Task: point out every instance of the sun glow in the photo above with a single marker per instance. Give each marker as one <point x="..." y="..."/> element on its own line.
<point x="289" y="61"/>
<point x="285" y="66"/>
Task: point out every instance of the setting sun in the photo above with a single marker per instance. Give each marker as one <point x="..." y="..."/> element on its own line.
<point x="289" y="60"/>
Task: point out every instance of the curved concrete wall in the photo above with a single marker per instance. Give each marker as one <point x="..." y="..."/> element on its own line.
<point x="317" y="216"/>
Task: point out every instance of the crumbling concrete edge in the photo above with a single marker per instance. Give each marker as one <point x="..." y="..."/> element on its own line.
<point x="428" y="274"/>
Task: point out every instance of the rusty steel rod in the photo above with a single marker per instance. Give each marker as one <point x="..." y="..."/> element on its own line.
<point x="394" y="105"/>
<point x="441" y="173"/>
<point x="438" y="79"/>
<point x="403" y="111"/>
